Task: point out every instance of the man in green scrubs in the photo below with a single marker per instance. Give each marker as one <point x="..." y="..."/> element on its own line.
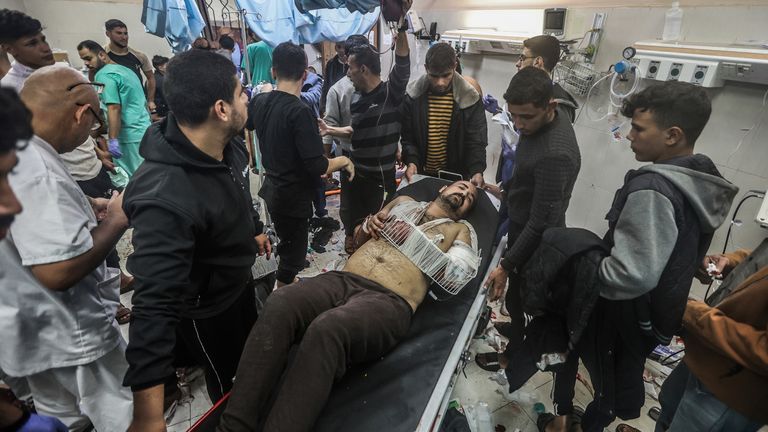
<point x="123" y="95"/>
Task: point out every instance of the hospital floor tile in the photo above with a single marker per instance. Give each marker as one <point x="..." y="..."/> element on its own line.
<point x="179" y="427"/>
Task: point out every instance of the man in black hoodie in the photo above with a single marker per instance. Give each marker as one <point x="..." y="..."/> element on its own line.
<point x="659" y="227"/>
<point x="196" y="235"/>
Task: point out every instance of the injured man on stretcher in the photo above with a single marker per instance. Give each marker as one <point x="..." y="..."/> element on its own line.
<point x="342" y="318"/>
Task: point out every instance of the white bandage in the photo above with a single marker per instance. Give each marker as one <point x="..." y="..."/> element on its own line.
<point x="451" y="270"/>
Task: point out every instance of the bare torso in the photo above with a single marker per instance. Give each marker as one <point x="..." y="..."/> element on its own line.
<point x="380" y="262"/>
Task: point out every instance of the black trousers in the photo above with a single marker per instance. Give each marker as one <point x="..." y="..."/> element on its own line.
<point x="292" y="249"/>
<point x="100" y="186"/>
<point x="522" y="361"/>
<point x="366" y="194"/>
<point x="337" y="319"/>
<point x="216" y="343"/>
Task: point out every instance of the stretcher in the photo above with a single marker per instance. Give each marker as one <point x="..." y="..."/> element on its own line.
<point x="409" y="388"/>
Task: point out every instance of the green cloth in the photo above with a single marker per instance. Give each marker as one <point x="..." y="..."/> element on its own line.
<point x="131" y="159"/>
<point x="122" y="87"/>
<point x="260" y="57"/>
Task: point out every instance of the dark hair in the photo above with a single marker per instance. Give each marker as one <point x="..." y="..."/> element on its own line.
<point x="93" y="46"/>
<point x="289" y="61"/>
<point x="201" y="43"/>
<point x="113" y="24"/>
<point x="459" y="69"/>
<point x="158" y="61"/>
<point x="545" y="46"/>
<point x="15" y="25"/>
<point x="366" y="55"/>
<point x="441" y="57"/>
<point x="673" y="103"/>
<point x="15" y="120"/>
<point x="194" y="81"/>
<point x="354" y="41"/>
<point x="227" y="42"/>
<point x="529" y="85"/>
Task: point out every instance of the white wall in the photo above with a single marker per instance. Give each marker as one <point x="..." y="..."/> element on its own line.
<point x="604" y="163"/>
<point x="67" y="22"/>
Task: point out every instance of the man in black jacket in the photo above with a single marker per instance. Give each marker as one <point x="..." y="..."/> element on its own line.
<point x="196" y="235"/>
<point x="443" y="121"/>
<point x="335" y="69"/>
<point x="537" y="196"/>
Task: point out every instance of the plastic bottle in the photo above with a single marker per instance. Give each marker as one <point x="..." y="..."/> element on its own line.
<point x="673" y="22"/>
<point x="484" y="418"/>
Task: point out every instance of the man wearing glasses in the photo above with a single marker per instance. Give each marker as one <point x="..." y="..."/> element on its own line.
<point x="123" y="95"/>
<point x="57" y="317"/>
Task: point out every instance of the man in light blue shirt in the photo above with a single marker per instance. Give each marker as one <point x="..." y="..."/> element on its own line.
<point x="57" y="309"/>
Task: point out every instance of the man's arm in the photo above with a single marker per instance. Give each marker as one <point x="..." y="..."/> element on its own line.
<point x="63" y="275"/>
<point x="398" y="79"/>
<point x="113" y="116"/>
<point x="151" y="91"/>
<point x="161" y="264"/>
<point x="740" y="342"/>
<point x="310" y="148"/>
<point x="643" y="240"/>
<point x="332" y="116"/>
<point x="146" y="68"/>
<point x="312" y="96"/>
<point x="327" y="130"/>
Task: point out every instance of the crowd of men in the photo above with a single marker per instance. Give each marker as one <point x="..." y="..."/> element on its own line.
<point x="158" y="147"/>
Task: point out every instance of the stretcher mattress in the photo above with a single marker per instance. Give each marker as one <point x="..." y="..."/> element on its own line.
<point x="392" y="393"/>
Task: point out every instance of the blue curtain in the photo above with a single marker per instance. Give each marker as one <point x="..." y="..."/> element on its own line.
<point x="277" y="21"/>
<point x="178" y="21"/>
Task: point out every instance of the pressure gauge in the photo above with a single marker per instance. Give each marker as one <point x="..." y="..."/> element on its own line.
<point x="629" y="52"/>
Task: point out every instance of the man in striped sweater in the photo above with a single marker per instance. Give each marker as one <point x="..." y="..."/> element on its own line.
<point x="444" y="126"/>
<point x="375" y="129"/>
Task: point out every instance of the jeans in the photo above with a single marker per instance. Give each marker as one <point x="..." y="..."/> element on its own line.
<point x="686" y="405"/>
<point x="336" y="319"/>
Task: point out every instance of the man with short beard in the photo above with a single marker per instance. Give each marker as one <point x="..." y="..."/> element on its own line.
<point x="195" y="236"/>
<point x="135" y="60"/>
<point x="126" y="105"/>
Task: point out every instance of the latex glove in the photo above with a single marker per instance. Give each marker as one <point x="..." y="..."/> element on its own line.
<point x="38" y="423"/>
<point x="491" y="104"/>
<point x="114" y="148"/>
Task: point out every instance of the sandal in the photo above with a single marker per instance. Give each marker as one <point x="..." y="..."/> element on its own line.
<point x="123" y="315"/>
<point x="623" y="427"/>
<point x="488" y="361"/>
